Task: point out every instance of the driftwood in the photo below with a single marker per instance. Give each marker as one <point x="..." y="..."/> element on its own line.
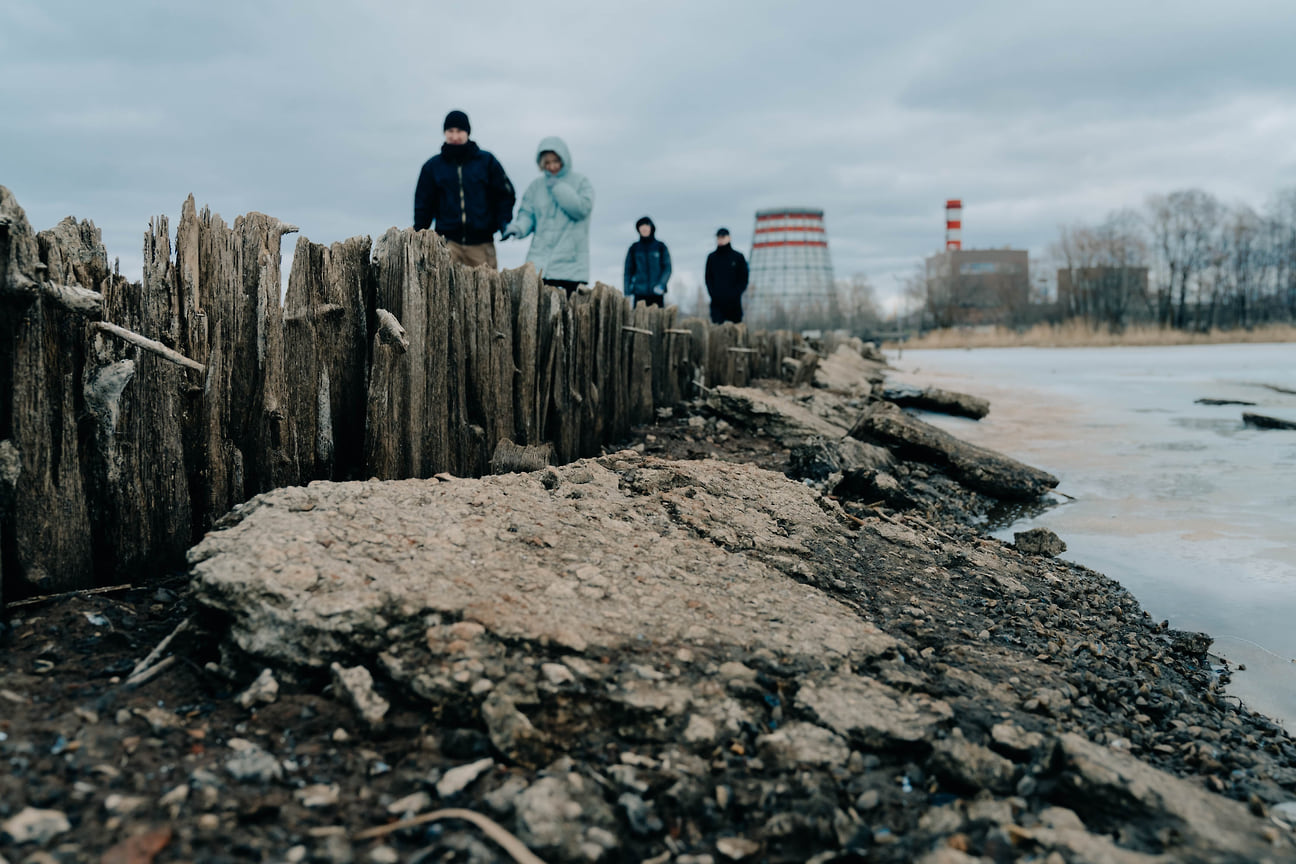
<point x="975" y="467"/>
<point x="134" y="415"/>
<point x="1261" y="421"/>
<point x="515" y="458"/>
<point x="1205" y="401"/>
<point x="937" y="400"/>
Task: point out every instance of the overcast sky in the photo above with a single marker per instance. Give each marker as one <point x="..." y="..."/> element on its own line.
<point x="321" y="113"/>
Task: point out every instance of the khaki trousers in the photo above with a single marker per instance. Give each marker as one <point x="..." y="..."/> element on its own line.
<point x="477" y="255"/>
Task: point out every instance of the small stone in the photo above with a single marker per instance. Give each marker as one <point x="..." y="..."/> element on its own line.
<point x="318" y="795"/>
<point x="340" y="735"/>
<point x="1039" y="541"/>
<point x="803" y="744"/>
<point x="556" y="673"/>
<point x="251" y="764"/>
<point x="175" y="797"/>
<point x="384" y="855"/>
<point x="700" y="730"/>
<point x="209" y="821"/>
<point x="33" y="825"/>
<point x="737" y="848"/>
<point x="295" y="855"/>
<point x="457" y="779"/>
<point x="123" y="804"/>
<point x="356" y="684"/>
<point x="723" y="794"/>
<point x="466" y="630"/>
<point x="868" y="799"/>
<point x="481" y="686"/>
<point x="263" y="691"/>
<point x="1014" y="740"/>
<point x="1285" y="811"/>
<point x="415" y="803"/>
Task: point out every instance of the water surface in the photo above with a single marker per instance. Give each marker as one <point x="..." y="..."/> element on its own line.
<point x="1181" y="503"/>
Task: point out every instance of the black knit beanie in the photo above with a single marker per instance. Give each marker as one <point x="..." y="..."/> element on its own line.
<point x="457" y="120"/>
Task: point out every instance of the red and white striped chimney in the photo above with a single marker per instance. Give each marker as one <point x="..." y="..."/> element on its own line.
<point x="954" y="224"/>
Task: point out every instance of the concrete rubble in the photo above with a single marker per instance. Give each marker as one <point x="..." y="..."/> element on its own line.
<point x="674" y="656"/>
<point x="635" y="635"/>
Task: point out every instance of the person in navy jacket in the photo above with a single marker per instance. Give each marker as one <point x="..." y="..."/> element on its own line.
<point x="464" y="190"/>
<point x="647" y="266"/>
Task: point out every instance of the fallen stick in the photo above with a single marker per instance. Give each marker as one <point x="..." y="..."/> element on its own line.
<point x="639" y="330"/>
<point x="49" y="598"/>
<point x="153" y="655"/>
<point x="150" y="673"/>
<point x="516" y="849"/>
<point x="149" y="345"/>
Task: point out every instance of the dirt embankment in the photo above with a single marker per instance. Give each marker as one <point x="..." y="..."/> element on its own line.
<point x="676" y="652"/>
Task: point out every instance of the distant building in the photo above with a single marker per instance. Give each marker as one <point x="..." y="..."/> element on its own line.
<point x="791" y="275"/>
<point x="977" y="286"/>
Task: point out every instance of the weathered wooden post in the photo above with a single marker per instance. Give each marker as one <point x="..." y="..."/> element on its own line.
<point x="325" y="346"/>
<point x="44" y="520"/>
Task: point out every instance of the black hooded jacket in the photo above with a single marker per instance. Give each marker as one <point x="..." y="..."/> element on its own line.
<point x="465" y="191"/>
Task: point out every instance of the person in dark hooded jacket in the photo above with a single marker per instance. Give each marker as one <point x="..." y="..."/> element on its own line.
<point x="726" y="280"/>
<point x="647" y="266"/>
<point x="465" y="191"/>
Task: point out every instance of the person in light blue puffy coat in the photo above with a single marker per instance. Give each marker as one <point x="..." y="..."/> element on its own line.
<point x="556" y="207"/>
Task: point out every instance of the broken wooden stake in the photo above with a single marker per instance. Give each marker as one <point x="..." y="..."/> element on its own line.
<point x="149" y="345"/>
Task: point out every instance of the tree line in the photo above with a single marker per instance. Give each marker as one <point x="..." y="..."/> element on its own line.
<point x="1186" y="261"/>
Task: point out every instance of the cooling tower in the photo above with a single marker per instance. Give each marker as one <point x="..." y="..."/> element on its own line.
<point x="791" y="281"/>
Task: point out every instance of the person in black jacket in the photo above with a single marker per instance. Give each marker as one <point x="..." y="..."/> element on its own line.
<point x="465" y="191"/>
<point x="726" y="280"/>
<point x="647" y="266"/>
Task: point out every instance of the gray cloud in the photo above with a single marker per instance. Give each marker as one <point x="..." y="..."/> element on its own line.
<point x="698" y="114"/>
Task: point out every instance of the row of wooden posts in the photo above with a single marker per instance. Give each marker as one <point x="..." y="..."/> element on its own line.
<point x="133" y="415"/>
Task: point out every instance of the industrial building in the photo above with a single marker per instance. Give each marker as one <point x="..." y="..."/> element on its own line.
<point x="791" y="275"/>
<point x="975" y="286"/>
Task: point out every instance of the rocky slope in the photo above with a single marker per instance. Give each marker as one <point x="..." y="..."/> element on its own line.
<point x="644" y="657"/>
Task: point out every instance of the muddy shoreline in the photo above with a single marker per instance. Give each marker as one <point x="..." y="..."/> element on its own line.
<point x="853" y="673"/>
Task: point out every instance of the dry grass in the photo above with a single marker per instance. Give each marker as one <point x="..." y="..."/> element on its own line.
<point x="1076" y="334"/>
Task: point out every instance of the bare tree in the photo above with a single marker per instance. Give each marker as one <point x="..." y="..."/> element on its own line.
<point x="858" y="304"/>
<point x="1184" y="226"/>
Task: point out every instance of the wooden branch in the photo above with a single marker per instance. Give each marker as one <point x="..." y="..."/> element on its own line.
<point x="678" y="332"/>
<point x="744" y="350"/>
<point x="516" y="849"/>
<point x="49" y="598"/>
<point x="628" y="328"/>
<point x="142" y="667"/>
<point x="149" y="345"/>
<point x="150" y="673"/>
<point x="391" y="332"/>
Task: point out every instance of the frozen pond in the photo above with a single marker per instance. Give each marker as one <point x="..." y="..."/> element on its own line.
<point x="1181" y="503"/>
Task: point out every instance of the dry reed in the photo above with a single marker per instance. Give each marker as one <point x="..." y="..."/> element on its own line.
<point x="1077" y="334"/>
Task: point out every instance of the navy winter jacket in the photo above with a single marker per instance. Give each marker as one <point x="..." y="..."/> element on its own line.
<point x="647" y="267"/>
<point x="465" y="191"/>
